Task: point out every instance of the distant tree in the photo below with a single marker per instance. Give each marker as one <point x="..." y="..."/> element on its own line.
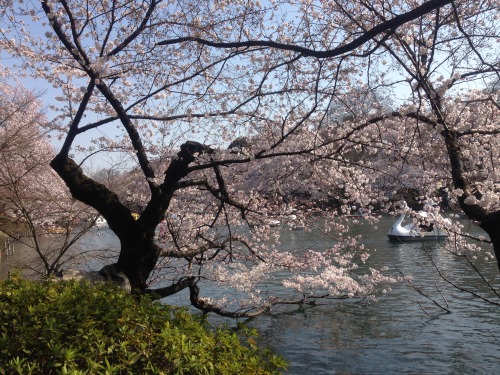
<point x="358" y="103"/>
<point x="36" y="206"/>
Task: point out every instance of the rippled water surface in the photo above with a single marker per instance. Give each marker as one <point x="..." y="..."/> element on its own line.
<point x="402" y="333"/>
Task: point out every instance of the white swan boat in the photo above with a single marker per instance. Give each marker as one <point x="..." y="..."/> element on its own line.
<point x="414" y="232"/>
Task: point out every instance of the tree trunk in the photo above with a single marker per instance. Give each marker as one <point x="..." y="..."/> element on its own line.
<point x="491" y="225"/>
<point x="138" y="253"/>
<point x="138" y="257"/>
<point x="489" y="221"/>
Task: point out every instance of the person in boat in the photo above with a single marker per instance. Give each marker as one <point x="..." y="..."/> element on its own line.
<point x="426" y="227"/>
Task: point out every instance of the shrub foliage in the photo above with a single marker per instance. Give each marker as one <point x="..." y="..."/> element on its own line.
<point x="77" y="328"/>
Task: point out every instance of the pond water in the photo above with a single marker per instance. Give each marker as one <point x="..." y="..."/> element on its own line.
<point x="402" y="333"/>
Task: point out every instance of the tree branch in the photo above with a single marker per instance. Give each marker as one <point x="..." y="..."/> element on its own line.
<point x="367" y="36"/>
<point x="199" y="303"/>
<point x="183" y="283"/>
<point x="93" y="194"/>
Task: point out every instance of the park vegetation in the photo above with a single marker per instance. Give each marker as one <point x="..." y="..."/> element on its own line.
<point x="76" y="328"/>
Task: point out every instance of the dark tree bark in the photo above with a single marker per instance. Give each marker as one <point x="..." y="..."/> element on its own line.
<point x="488" y="221"/>
<point x="491" y="225"/>
<point x="138" y="251"/>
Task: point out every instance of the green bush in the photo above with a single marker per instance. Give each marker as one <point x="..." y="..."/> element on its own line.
<point x="77" y="328"/>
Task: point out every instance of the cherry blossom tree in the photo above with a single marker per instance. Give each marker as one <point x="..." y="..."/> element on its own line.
<point x="443" y="139"/>
<point x="142" y="77"/>
<point x="442" y="68"/>
<point x="446" y="62"/>
<point x="36" y="207"/>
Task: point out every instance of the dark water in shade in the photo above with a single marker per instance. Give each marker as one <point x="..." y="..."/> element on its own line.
<point x="401" y="333"/>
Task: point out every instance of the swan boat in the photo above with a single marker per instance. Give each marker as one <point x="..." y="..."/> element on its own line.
<point x="414" y="232"/>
